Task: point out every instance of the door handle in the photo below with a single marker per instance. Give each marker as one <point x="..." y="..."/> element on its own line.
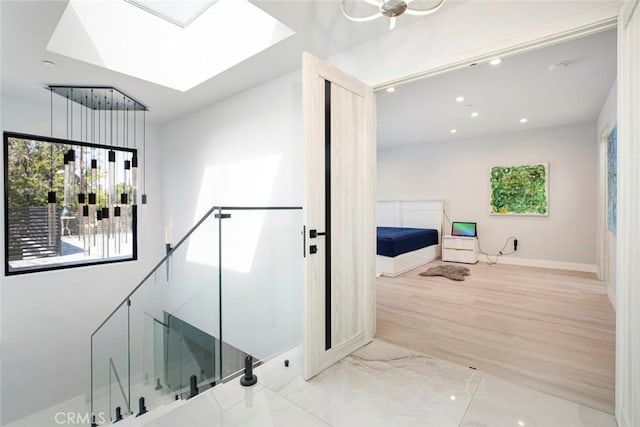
<point x="315" y="233"/>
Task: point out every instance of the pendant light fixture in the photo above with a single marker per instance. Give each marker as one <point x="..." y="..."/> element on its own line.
<point x="51" y="195"/>
<point x="82" y="193"/>
<point x="83" y="197"/>
<point x="144" y="159"/>
<point x="134" y="166"/>
<point x="390" y="9"/>
<point x="124" y="196"/>
<point x="102" y="178"/>
<point x="106" y="217"/>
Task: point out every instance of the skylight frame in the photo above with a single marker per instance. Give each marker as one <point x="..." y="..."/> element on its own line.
<point x="168" y="18"/>
<point x="157" y="51"/>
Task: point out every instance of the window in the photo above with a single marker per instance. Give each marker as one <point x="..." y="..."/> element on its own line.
<point x="67" y="203"/>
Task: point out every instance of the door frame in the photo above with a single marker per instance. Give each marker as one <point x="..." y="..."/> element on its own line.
<point x="582" y="29"/>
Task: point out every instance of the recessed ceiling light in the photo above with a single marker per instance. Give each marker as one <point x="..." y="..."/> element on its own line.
<point x="521" y="423"/>
<point x="460" y="99"/>
<point x="453" y="131"/>
<point x="558" y="66"/>
<point x="495" y="61"/>
<point x="475" y="114"/>
<point x="391" y="89"/>
<point x="48" y="63"/>
<point x="452" y="397"/>
<point x="523" y="120"/>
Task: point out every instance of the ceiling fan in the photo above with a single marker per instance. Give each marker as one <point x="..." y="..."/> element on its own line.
<point x="391" y="9"/>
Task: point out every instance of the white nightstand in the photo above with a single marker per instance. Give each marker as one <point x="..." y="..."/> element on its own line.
<point x="460" y="249"/>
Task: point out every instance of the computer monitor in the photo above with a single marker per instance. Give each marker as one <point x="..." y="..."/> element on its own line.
<point x="465" y="229"/>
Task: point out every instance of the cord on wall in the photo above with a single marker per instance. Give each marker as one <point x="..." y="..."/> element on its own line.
<point x="501" y="251"/>
<point x="444" y="211"/>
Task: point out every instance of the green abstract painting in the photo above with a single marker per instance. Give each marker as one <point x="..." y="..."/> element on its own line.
<point x="520" y="190"/>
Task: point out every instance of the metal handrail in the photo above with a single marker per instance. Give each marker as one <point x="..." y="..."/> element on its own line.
<point x="184" y="239"/>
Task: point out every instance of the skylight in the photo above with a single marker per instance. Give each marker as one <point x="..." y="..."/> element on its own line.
<point x="122" y="37"/>
<point x="179" y="12"/>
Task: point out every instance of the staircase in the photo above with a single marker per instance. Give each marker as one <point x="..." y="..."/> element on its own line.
<point x="230" y="288"/>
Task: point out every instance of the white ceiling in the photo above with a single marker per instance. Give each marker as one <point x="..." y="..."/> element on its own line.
<point x="320" y="29"/>
<point x="160" y="51"/>
<point x="521" y="86"/>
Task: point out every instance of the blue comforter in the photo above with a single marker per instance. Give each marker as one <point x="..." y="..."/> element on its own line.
<point x="394" y="241"/>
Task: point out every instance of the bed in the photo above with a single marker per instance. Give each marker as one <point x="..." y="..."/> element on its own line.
<point x="408" y="235"/>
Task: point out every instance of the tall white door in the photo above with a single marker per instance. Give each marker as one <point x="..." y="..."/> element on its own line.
<point x="339" y="115"/>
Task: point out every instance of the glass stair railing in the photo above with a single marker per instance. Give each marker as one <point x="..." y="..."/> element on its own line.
<point x="232" y="287"/>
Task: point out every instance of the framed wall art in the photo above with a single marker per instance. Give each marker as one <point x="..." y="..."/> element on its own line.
<point x="520" y="190"/>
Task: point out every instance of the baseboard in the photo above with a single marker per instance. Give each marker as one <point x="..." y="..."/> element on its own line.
<point x="544" y="263"/>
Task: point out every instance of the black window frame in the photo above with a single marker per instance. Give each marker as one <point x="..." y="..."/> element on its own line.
<point x="72" y="264"/>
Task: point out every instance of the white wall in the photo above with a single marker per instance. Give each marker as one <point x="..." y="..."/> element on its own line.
<point x="607" y="120"/>
<point x="262" y="122"/>
<point x="458" y="172"/>
<point x="251" y="142"/>
<point x="48" y="317"/>
<point x="244" y="151"/>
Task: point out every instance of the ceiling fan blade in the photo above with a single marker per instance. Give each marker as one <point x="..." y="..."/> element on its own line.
<point x="418" y="12"/>
<point x="392" y="23"/>
<point x="363" y="19"/>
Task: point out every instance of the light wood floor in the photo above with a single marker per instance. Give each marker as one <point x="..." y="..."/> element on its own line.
<point x="549" y="330"/>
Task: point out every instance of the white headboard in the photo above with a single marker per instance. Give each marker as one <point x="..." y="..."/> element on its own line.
<point x="415" y="214"/>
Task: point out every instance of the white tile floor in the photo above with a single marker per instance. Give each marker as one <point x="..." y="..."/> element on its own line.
<point x="379" y="385"/>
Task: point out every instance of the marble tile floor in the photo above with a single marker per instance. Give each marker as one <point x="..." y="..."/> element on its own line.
<point x="379" y="385"/>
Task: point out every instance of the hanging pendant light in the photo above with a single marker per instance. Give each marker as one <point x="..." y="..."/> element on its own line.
<point x="106" y="217"/>
<point x="117" y="211"/>
<point x="101" y="180"/>
<point x="93" y="196"/>
<point x="102" y="184"/>
<point x="112" y="169"/>
<point x="98" y="235"/>
<point x="51" y="217"/>
<point x="51" y="195"/>
<point x="86" y="237"/>
<point x="144" y="157"/>
<point x="117" y="217"/>
<point x="68" y="165"/>
<point x="84" y="217"/>
<point x="100" y="219"/>
<point x="124" y="196"/>
<point x="134" y="165"/>
<point x="70" y="181"/>
<point x="143" y="198"/>
<point x="82" y="194"/>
